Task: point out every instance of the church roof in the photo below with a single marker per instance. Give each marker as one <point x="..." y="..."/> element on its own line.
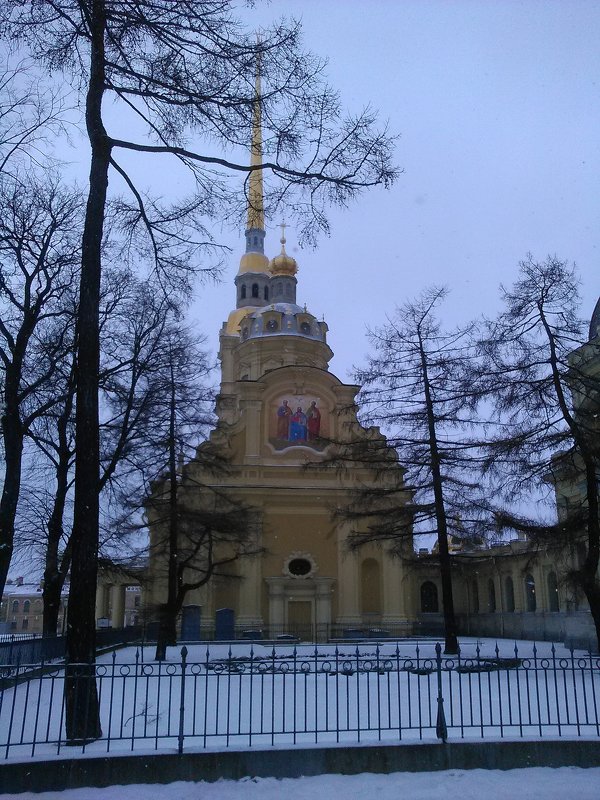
<point x="282" y="319"/>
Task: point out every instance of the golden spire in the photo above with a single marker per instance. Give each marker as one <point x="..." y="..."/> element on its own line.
<point x="256" y="209"/>
<point x="254" y="259"/>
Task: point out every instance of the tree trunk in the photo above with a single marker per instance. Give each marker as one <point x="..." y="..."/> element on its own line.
<point x="450" y="627"/>
<point x="51" y="593"/>
<point x="589" y="572"/>
<point x="83" y="722"/>
<point x="592" y="594"/>
<point x="55" y="572"/>
<point x="13" y="453"/>
<point x="167" y="630"/>
<point x="54" y="581"/>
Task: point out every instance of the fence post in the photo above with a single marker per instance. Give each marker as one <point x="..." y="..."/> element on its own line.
<point x="184" y="652"/>
<point x="441" y="731"/>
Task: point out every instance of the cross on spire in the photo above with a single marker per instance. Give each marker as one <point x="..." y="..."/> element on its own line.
<point x="283" y="226"/>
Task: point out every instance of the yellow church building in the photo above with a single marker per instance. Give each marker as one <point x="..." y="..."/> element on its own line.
<point x="280" y="411"/>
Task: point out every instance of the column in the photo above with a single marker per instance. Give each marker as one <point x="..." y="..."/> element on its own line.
<point x="101" y="598"/>
<point x="117" y="617"/>
<point x="276" y="603"/>
<point x="249" y="613"/>
<point x="348" y="608"/>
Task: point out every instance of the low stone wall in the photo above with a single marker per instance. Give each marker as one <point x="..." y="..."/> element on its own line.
<point x="66" y="773"/>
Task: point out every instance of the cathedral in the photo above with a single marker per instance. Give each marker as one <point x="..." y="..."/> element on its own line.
<point x="279" y="412"/>
<point x="282" y="417"/>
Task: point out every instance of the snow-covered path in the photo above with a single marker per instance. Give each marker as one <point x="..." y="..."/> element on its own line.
<point x="536" y="783"/>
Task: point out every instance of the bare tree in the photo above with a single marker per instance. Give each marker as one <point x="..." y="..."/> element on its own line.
<point x="197" y="530"/>
<point x="31" y="114"/>
<point x="416" y="386"/>
<point x="38" y="261"/>
<point x="543" y="374"/>
<point x="183" y="69"/>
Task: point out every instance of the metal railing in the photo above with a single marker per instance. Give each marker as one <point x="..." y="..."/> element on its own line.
<point x="252" y="696"/>
<point x="38" y="649"/>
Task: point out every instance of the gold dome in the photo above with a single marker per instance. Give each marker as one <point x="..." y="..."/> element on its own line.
<point x="254" y="262"/>
<point x="235" y="318"/>
<point x="283" y="264"/>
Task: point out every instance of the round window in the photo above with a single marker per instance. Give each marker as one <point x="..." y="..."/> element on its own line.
<point x="305" y="327"/>
<point x="272" y="325"/>
<point x="299" y="566"/>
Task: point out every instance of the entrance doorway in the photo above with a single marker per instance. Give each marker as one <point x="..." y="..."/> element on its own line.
<point x="300" y="618"/>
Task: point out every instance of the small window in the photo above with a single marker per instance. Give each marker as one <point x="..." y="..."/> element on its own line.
<point x="530" y="593"/>
<point x="26" y="606"/>
<point x="25" y="624"/>
<point x="491" y="596"/>
<point x="272" y="325"/>
<point x="15" y="606"/>
<point x="255" y="240"/>
<point x="255" y="290"/>
<point x="266" y="293"/>
<point x="299" y="566"/>
<point x="475" y="595"/>
<point x="243" y="292"/>
<point x="509" y="594"/>
<point x="137" y="600"/>
<point x="553" y="603"/>
<point x="429" y="597"/>
<point x="305" y="327"/>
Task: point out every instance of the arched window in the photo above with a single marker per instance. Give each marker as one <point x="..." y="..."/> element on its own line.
<point x="255" y="290"/>
<point x="26" y="606"/>
<point x="530" y="593"/>
<point x="491" y="596"/>
<point x="15" y="606"/>
<point x="429" y="597"/>
<point x="475" y="596"/>
<point x="552" y="583"/>
<point x="509" y="594"/>
<point x="266" y="292"/>
<point x="243" y="292"/>
<point x="370" y="586"/>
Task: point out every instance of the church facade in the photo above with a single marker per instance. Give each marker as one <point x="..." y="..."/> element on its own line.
<point x="280" y="411"/>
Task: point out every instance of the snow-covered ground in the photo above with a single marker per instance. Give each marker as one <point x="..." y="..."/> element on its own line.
<point x="256" y="695"/>
<point x="536" y="783"/>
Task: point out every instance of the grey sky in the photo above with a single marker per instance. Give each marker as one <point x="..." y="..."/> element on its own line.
<point x="497" y="107"/>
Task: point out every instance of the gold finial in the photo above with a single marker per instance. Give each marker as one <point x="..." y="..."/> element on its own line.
<point x="283" y="226"/>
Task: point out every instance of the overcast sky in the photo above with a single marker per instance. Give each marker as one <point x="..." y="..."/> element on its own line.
<point x="496" y="103"/>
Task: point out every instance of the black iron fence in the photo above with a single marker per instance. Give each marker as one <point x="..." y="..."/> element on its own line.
<point x="251" y="695"/>
<point x="38" y="649"/>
